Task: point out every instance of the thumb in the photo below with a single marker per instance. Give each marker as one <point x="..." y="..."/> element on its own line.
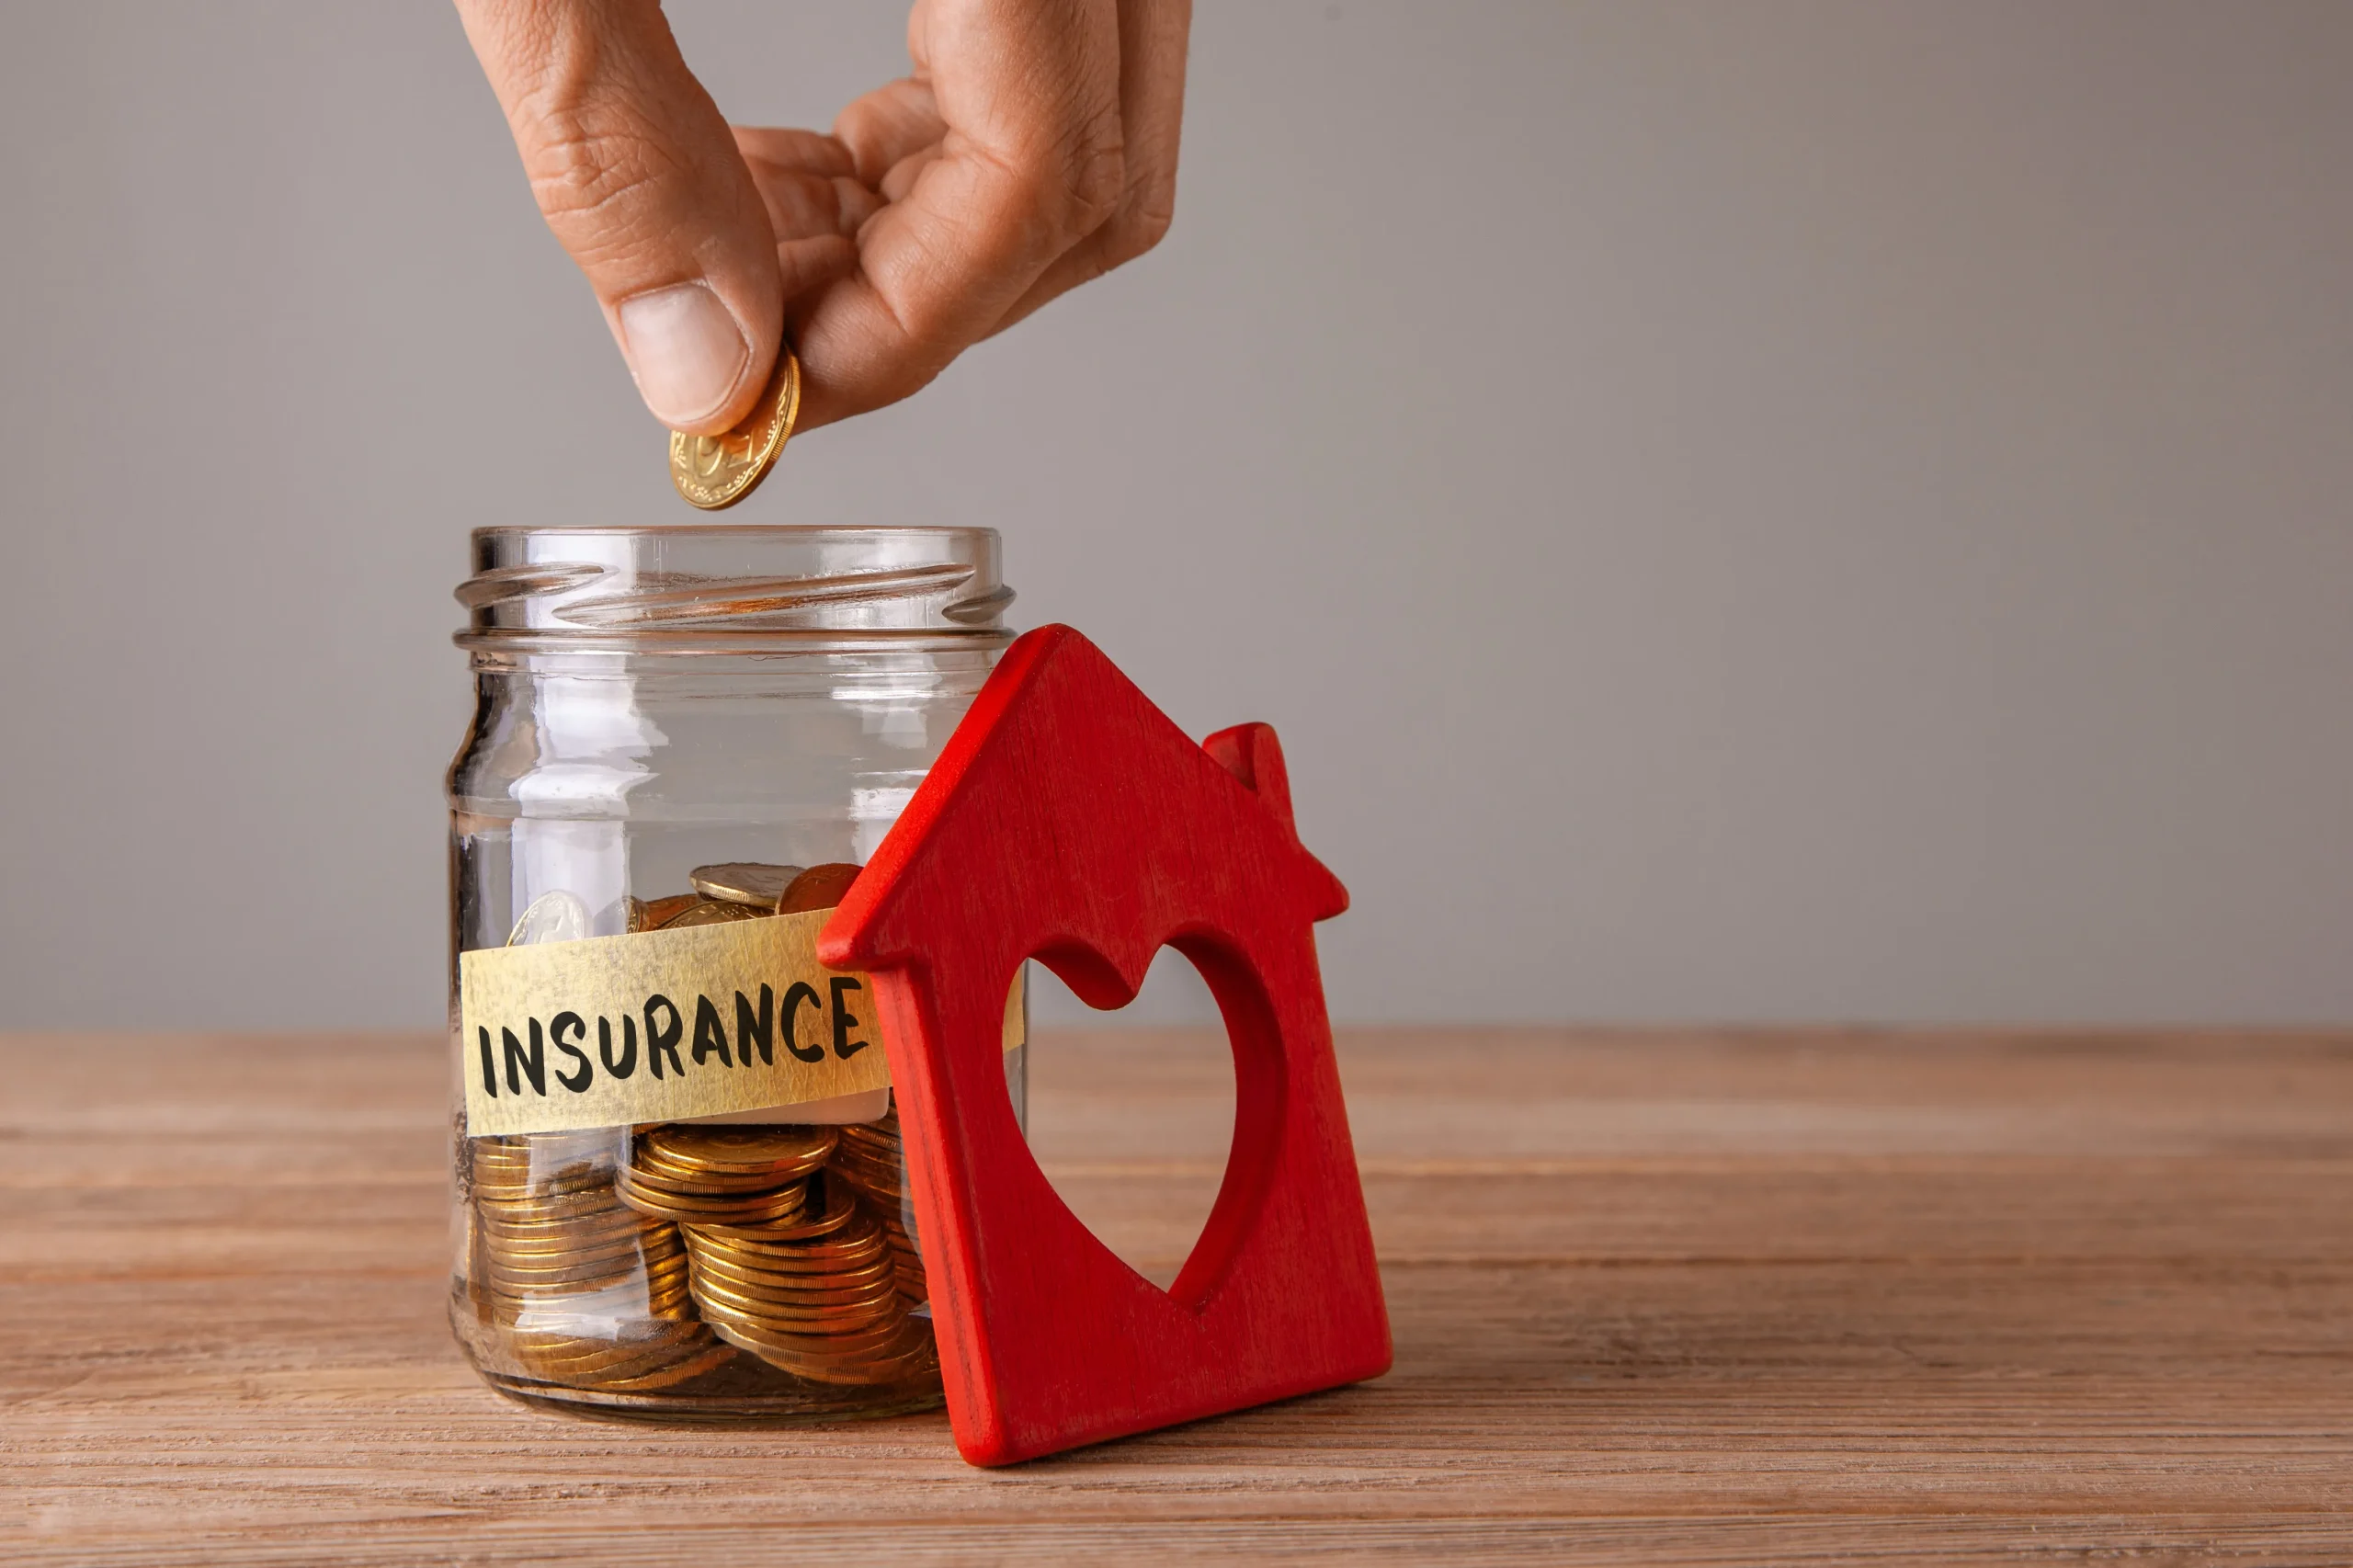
<point x="639" y="179"/>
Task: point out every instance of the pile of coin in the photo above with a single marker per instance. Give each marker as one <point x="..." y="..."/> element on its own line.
<point x="791" y="1268"/>
<point x="789" y="1242"/>
<point x="723" y="1176"/>
<point x="560" y="1263"/>
<point x="744" y="890"/>
<point x="818" y="1299"/>
<point x="872" y="1159"/>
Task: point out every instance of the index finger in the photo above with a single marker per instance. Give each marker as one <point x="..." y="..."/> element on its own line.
<point x="640" y="180"/>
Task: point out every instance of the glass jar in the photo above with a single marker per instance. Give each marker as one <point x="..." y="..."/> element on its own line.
<point x="659" y="711"/>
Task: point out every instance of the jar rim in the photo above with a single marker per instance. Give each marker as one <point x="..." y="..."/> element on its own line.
<point x="732" y="587"/>
<point x="736" y="530"/>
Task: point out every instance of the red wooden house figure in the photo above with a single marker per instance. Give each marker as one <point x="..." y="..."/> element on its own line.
<point x="1070" y="821"/>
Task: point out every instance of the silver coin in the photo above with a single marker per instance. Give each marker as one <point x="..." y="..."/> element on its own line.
<point x="557" y="916"/>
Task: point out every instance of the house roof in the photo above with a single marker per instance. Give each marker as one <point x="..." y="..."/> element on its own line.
<point x="1066" y="793"/>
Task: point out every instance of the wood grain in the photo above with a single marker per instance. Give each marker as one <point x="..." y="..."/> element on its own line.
<point x="1662" y="1299"/>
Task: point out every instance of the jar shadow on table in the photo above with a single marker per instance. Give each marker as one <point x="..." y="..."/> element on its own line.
<point x="653" y="704"/>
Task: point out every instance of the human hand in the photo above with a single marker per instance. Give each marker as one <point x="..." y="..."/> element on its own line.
<point x="1034" y="147"/>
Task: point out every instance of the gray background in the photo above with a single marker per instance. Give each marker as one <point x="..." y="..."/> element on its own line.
<point x="1739" y="511"/>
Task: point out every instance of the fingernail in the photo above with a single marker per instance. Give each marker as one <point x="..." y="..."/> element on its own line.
<point x="684" y="350"/>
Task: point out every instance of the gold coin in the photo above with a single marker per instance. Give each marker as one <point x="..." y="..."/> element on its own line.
<point x="859" y="1250"/>
<point x="523" y="1269"/>
<point x="848" y="1248"/>
<point x="819" y="887"/>
<point x="712" y="471"/>
<point x="588" y="1352"/>
<point x="508" y="1183"/>
<point x="883" y="1160"/>
<point x="866" y="1333"/>
<point x="917" y="1363"/>
<point x="591" y="1354"/>
<point x="659" y="1181"/>
<point x="542" y="1287"/>
<point x="887" y="1197"/>
<point x="500" y="1196"/>
<point x="546" y="1155"/>
<point x="837" y="1275"/>
<point x="638" y="1336"/>
<point x="817" y="1348"/>
<point x="547" y="1174"/>
<point x="556" y="1281"/>
<point x="881" y="1137"/>
<point x="571" y="1242"/>
<point x="866" y="1307"/>
<point x="589" y="1359"/>
<point x="744" y="881"/>
<point x="520" y="1264"/>
<point x="807" y="1236"/>
<point x="536" y="1285"/>
<point x="834" y="1276"/>
<point x="659" y="1178"/>
<point x="574" y="1242"/>
<point x="627" y="1227"/>
<point x="863" y="1304"/>
<point x="879" y="1163"/>
<point x="516" y="1157"/>
<point x="572" y="1205"/>
<point x="721" y="1175"/>
<point x="860" y="1340"/>
<point x="713" y="1200"/>
<point x="873" y="1156"/>
<point x="654" y="914"/>
<point x="712" y="912"/>
<point x="532" y="1216"/>
<point x="694" y="1365"/>
<point x="748" y="1208"/>
<point x="851" y="1312"/>
<point x="784" y="1153"/>
<point x="790" y="1242"/>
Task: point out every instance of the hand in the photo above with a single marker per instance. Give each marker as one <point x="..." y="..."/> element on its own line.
<point x="1034" y="147"/>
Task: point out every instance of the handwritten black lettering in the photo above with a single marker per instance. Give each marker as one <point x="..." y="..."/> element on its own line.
<point x="803" y="994"/>
<point x="845" y="1047"/>
<point x="710" y="1035"/>
<point x="564" y="1024"/>
<point x="628" y="1063"/>
<point x="662" y="1040"/>
<point x="759" y="1028"/>
<point x="534" y="1063"/>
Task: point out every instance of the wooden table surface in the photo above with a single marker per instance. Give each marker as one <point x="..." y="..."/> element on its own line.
<point x="1658" y="1298"/>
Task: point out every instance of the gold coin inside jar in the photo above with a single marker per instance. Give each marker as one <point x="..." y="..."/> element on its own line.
<point x="754" y="883"/>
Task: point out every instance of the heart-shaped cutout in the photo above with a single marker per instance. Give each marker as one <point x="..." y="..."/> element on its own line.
<point x="1131" y="1110"/>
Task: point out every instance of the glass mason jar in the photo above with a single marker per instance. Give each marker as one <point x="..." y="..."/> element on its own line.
<point x="659" y="711"/>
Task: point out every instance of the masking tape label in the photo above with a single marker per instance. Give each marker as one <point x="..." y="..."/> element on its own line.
<point x="662" y="1025"/>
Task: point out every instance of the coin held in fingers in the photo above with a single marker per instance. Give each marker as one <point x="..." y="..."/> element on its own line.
<point x="712" y="471"/>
